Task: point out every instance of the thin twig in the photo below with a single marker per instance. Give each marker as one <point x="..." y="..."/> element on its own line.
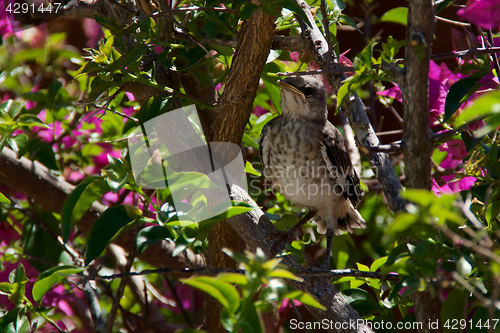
<point x="393" y="147"/>
<point x="471" y="245"/>
<point x="298" y="315"/>
<point x="465" y="53"/>
<point x="494" y="56"/>
<point x="486" y="301"/>
<point x="462" y="24"/>
<point x="119" y="293"/>
<point x="442" y="137"/>
<point x="316" y="72"/>
<point x="182" y="9"/>
<point x="193" y="39"/>
<point x="178" y="301"/>
<point x="333" y="273"/>
<point x="326" y="26"/>
<point x="389" y="132"/>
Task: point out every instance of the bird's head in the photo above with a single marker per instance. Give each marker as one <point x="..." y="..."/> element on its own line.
<point x="303" y="96"/>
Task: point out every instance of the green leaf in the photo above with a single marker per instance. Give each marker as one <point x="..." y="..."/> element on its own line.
<point x="362" y="267"/>
<point x="151" y="235"/>
<point x="54" y="88"/>
<point x="225" y="293"/>
<point x="396" y="15"/>
<point x="39" y="243"/>
<point x="305" y="298"/>
<point x="14" y="322"/>
<point x="237" y="209"/>
<point x="251" y="170"/>
<point x="454" y="306"/>
<point x="401" y="222"/>
<point x="232" y="278"/>
<point x="361" y="301"/>
<point x="283" y="273"/>
<point x="109" y="225"/>
<point x="483" y="106"/>
<point x="135" y="54"/>
<point x="274" y="93"/>
<point x="442" y="4"/>
<point x="336" y="5"/>
<point x="79" y="201"/>
<point x="247" y="9"/>
<point x="30" y="120"/>
<point x="420" y="196"/>
<point x="5" y="288"/>
<point x="43" y="153"/>
<point x="47" y="279"/>
<point x="378" y="263"/>
<point x="18" y="144"/>
<point x="3" y="198"/>
<point x="250" y="321"/>
<point x="459" y="92"/>
<point x="350" y="85"/>
<point x="11" y="108"/>
<point x="295" y="8"/>
<point x="223" y="50"/>
<point x="108" y="46"/>
<point x="18" y="275"/>
<point x="349" y="21"/>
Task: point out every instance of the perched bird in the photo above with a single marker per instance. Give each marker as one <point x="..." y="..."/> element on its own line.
<point x="306" y="159"/>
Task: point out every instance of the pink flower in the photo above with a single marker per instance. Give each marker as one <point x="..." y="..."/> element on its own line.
<point x="93" y="31"/>
<point x="456" y="153"/>
<point x="56" y="298"/>
<point x="259" y="111"/>
<point x="484" y="13"/>
<point x="437" y="99"/>
<point x="393" y="92"/>
<point x="286" y="303"/>
<point x="455" y="148"/>
<point x="8" y="25"/>
<point x="295" y="56"/>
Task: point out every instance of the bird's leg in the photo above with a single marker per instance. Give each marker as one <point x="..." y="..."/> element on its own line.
<point x="329" y="238"/>
<point x="290" y="233"/>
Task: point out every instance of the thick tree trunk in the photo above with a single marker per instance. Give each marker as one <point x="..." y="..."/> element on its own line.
<point x="254" y="43"/>
<point x="416" y="137"/>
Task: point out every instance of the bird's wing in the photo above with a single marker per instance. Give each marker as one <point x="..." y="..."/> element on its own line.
<point x="265" y="141"/>
<point x="339" y="163"/>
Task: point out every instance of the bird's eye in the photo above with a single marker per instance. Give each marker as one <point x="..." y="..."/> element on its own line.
<point x="308" y="91"/>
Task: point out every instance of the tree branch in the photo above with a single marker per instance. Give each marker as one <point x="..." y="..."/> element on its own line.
<point x="236" y="105"/>
<point x="417" y="156"/>
<point x="254" y="227"/>
<point x="331" y="273"/>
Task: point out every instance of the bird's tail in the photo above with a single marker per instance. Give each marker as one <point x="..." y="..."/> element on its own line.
<point x="352" y="220"/>
<point x="346" y="221"/>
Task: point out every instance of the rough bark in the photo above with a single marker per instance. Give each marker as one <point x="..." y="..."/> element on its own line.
<point x="354" y="109"/>
<point x="416" y="137"/>
<point x="254" y="226"/>
<point x="236" y="105"/>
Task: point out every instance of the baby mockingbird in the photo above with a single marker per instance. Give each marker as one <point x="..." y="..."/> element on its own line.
<point x="306" y="159"/>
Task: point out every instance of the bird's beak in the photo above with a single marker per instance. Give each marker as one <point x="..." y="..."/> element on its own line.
<point x="292" y="89"/>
